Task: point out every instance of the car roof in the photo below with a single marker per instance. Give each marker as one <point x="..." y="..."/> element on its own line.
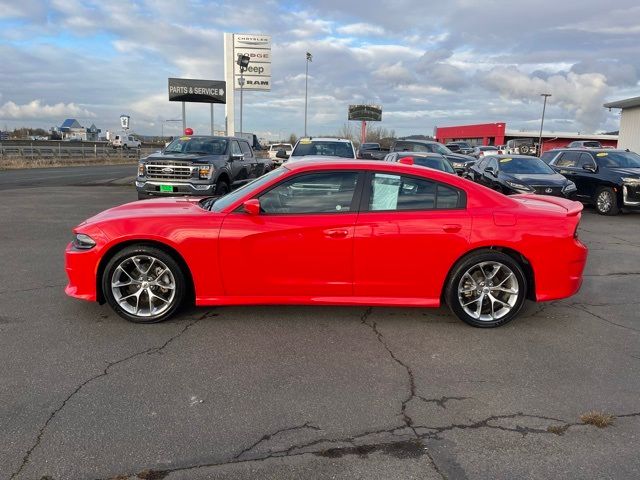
<point x="325" y="139"/>
<point x="415" y="141"/>
<point x="420" y="154"/>
<point x="587" y="149"/>
<point x="525" y="157"/>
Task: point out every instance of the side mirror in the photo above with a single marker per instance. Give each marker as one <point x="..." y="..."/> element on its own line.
<point x="490" y="171"/>
<point x="282" y="154"/>
<point x="252" y="206"/>
<point x="589" y="167"/>
<point x="237" y="156"/>
<point x="406" y="161"/>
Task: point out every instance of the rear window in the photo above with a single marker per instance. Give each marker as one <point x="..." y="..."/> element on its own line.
<point x="323" y="148"/>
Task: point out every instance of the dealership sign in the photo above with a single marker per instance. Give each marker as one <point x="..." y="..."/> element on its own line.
<point x="202" y="91"/>
<point x="365" y="113"/>
<point x="257" y="76"/>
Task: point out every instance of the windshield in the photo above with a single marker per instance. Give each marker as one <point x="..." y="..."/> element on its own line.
<point x="435" y="163"/>
<point x="524" y="165"/>
<point x="441" y="149"/>
<point x="220" y="203"/>
<point x="206" y="146"/>
<point x="618" y="159"/>
<point x="324" y="148"/>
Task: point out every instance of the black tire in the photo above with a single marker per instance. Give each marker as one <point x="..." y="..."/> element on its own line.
<point x="487" y="258"/>
<point x="163" y="259"/>
<point x="607" y="201"/>
<point x="125" y="147"/>
<point x="222" y="188"/>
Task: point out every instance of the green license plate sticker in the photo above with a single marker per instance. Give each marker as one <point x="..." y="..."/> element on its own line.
<point x="166" y="188"/>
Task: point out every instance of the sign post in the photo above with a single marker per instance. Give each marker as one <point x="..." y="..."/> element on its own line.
<point x="364" y="114"/>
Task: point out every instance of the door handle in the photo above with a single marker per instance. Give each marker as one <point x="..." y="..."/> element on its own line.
<point x="339" y="233"/>
<point x="452" y="228"/>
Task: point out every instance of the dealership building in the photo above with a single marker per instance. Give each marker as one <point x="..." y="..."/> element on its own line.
<point x="629" y="122"/>
<point x="498" y="134"/>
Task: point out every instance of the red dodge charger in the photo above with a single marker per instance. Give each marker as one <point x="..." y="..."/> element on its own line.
<point x="333" y="232"/>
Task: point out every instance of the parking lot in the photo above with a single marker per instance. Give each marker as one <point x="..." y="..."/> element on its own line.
<point x="291" y="392"/>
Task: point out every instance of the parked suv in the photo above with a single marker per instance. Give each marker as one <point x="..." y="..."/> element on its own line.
<point x="324" y="147"/>
<point x="460" y="147"/>
<point x="459" y="162"/>
<point x="521" y="146"/>
<point x="607" y="178"/>
<point x="199" y="165"/>
<point x="125" y="141"/>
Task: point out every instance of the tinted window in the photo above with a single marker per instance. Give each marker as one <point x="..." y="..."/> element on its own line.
<point x="330" y="192"/>
<point x="586" y="159"/>
<point x="216" y="146"/>
<point x="568" y="159"/>
<point x="546" y="157"/>
<point x="412" y="147"/>
<point x="223" y="202"/>
<point x="395" y="192"/>
<point x="435" y="163"/>
<point x="525" y="165"/>
<point x="493" y="163"/>
<point x="235" y="148"/>
<point x="246" y="149"/>
<point x="482" y="163"/>
<point x="618" y="159"/>
<point x="325" y="148"/>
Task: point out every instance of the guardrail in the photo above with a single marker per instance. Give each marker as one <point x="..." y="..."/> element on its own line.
<point x="62" y="152"/>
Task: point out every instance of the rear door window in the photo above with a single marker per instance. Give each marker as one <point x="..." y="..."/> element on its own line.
<point x="568" y="160"/>
<point x="400" y="192"/>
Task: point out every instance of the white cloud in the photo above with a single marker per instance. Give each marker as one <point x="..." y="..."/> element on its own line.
<point x="37" y="110"/>
<point x="359" y="29"/>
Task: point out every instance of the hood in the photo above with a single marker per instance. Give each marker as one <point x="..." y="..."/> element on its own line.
<point x="626" y="172"/>
<point x="553" y="180"/>
<point x="161" y="207"/>
<point x="458" y="157"/>
<point x="185" y="157"/>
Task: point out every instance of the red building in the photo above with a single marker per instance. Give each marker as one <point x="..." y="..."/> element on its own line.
<point x="497" y="134"/>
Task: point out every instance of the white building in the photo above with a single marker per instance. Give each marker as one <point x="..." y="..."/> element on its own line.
<point x="629" y="136"/>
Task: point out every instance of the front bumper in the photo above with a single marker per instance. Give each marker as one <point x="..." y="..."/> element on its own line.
<point x="81" y="267"/>
<point x="631" y="196"/>
<point x="154" y="187"/>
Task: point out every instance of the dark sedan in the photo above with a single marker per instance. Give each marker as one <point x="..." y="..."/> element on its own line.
<point x="460" y="163"/>
<point x="430" y="160"/>
<point x="520" y="174"/>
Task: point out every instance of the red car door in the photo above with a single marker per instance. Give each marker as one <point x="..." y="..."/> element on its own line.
<point x="411" y="233"/>
<point x="301" y="244"/>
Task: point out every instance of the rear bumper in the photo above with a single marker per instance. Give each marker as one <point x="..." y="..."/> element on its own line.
<point x="561" y="277"/>
<point x="81" y="267"/>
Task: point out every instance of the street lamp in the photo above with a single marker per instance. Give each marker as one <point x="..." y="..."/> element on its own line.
<point x="544" y="107"/>
<point x="306" y="82"/>
<point x="167" y="121"/>
<point x="243" y="63"/>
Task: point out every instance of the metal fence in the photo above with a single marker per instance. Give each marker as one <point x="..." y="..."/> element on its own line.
<point x="68" y="152"/>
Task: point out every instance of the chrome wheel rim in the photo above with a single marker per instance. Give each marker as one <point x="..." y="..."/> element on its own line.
<point x="488" y="291"/>
<point x="604" y="201"/>
<point x="143" y="286"/>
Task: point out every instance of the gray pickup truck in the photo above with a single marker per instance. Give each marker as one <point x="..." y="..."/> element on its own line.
<point x="199" y="165"/>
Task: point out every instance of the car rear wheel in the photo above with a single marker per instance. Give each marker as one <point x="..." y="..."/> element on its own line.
<point x="143" y="284"/>
<point x="486" y="289"/>
<point x="607" y="202"/>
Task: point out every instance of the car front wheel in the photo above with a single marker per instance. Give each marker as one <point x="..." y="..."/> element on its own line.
<point x="486" y="289"/>
<point x="143" y="284"/>
<point x="607" y="202"/>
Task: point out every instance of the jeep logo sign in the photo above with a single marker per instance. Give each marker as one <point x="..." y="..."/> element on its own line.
<point x="202" y="91"/>
<point x="257" y="76"/>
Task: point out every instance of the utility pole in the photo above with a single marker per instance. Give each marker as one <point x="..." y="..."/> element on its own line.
<point x="544" y="107"/>
<point x="306" y="85"/>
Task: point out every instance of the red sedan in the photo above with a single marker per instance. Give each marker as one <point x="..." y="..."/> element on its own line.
<point x="333" y="232"/>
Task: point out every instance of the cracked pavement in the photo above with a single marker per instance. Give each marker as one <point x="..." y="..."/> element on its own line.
<point x="309" y="392"/>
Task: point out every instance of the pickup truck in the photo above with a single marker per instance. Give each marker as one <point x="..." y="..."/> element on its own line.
<point x="372" y="151"/>
<point x="199" y="165"/>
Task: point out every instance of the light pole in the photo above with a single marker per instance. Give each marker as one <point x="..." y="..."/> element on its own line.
<point x="243" y="63"/>
<point x="167" y="121"/>
<point x="306" y="84"/>
<point x="544" y="107"/>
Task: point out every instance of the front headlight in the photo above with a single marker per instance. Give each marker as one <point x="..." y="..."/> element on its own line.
<point x="631" y="181"/>
<point x="569" y="187"/>
<point x="83" y="242"/>
<point x="205" y="171"/>
<point x="519" y="186"/>
<point x="141" y="169"/>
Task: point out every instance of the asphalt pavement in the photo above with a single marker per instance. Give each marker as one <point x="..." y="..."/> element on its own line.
<point x="305" y="392"/>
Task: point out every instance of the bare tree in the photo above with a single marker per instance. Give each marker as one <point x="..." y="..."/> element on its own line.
<point x="293" y="139"/>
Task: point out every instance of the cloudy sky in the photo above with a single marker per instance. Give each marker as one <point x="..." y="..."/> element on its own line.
<point x="429" y="64"/>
